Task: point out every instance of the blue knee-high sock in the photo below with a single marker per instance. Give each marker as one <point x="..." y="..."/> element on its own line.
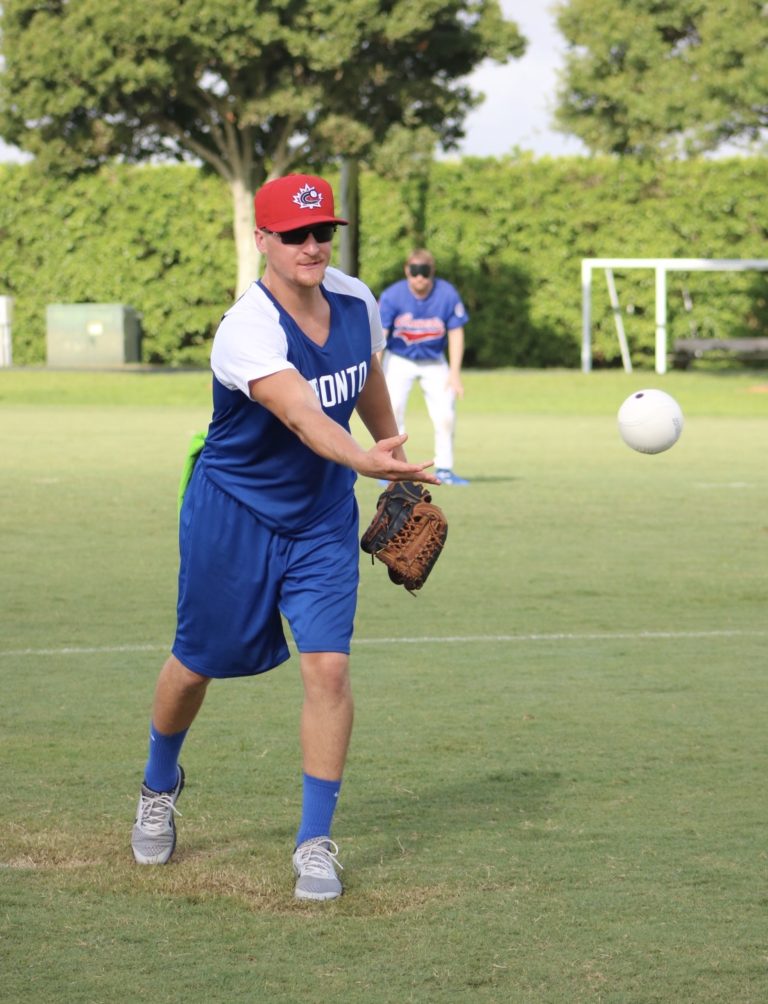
<point x="162" y="770"/>
<point x="318" y="806"/>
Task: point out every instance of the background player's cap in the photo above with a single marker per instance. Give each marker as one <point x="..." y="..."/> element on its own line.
<point x="294" y="201"/>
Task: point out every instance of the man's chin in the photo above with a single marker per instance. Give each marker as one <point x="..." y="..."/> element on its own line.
<point x="310" y="276"/>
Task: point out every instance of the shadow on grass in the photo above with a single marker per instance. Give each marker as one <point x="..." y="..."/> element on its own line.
<point x="500" y="799"/>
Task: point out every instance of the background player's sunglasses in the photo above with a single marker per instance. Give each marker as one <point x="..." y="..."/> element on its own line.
<point x="425" y="270"/>
<point x="322" y="232"/>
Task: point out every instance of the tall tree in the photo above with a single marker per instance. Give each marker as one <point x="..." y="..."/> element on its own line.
<point x="406" y="157"/>
<point x="650" y="77"/>
<point x="251" y="89"/>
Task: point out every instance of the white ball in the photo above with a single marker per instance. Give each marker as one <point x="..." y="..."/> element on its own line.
<point x="650" y="421"/>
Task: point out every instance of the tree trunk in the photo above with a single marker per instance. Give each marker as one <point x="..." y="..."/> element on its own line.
<point x="247" y="256"/>
<point x="349" y="240"/>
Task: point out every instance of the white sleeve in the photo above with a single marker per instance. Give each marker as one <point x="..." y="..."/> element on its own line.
<point x="249" y="343"/>
<point x="378" y="339"/>
<point x="340" y="282"/>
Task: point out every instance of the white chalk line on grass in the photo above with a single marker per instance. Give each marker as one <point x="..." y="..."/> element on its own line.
<point x="427" y="640"/>
<point x="83" y="650"/>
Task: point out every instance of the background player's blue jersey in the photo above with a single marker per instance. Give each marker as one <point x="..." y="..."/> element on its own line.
<point x="249" y="453"/>
<point x="418" y="329"/>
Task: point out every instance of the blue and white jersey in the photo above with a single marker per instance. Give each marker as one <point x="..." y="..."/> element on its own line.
<point x="418" y="329"/>
<point x="248" y="452"/>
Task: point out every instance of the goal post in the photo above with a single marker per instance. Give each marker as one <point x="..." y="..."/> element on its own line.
<point x="6" y="345"/>
<point x="660" y="266"/>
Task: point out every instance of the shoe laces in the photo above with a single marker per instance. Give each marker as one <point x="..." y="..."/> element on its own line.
<point x="317" y="858"/>
<point x="155" y="811"/>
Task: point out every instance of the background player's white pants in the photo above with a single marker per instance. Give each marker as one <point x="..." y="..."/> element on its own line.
<point x="439" y="397"/>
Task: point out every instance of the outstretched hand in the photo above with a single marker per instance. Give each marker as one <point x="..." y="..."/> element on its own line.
<point x="383" y="462"/>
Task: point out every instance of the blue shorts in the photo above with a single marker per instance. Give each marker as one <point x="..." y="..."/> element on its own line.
<point x="236" y="577"/>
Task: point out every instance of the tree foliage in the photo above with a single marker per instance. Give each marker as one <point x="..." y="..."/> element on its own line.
<point x="650" y="77"/>
<point x="249" y="89"/>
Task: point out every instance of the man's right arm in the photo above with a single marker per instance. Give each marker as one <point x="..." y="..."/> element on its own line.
<point x="291" y="399"/>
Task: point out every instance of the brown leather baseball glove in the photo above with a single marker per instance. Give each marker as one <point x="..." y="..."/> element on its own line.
<point x="407" y="533"/>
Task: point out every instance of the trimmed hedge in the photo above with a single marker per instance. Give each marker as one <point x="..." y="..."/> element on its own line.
<point x="510" y="233"/>
<point x="156" y="238"/>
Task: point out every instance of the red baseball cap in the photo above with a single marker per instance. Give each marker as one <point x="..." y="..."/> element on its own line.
<point x="294" y="201"/>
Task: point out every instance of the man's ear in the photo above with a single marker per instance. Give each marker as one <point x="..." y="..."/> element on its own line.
<point x="260" y="239"/>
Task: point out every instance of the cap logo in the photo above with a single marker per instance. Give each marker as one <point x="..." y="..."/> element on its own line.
<point x="308" y="197"/>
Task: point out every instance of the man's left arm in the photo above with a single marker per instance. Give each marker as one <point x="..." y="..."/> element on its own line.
<point x="375" y="407"/>
<point x="455" y="359"/>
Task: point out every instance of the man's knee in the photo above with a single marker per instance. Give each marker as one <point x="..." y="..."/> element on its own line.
<point x="182" y="679"/>
<point x="326" y="674"/>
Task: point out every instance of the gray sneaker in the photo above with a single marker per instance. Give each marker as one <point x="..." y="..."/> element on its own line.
<point x="313" y="863"/>
<point x="154" y="833"/>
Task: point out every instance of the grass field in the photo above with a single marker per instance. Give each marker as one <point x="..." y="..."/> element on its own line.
<point x="556" y="790"/>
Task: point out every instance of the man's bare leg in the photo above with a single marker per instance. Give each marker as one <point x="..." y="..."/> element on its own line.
<point x="179" y="695"/>
<point x="326" y="726"/>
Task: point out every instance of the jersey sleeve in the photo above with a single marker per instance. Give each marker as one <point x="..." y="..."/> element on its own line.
<point x="249" y="344"/>
<point x="387" y="309"/>
<point x="378" y="341"/>
<point x="340" y="282"/>
<point x="459" y="315"/>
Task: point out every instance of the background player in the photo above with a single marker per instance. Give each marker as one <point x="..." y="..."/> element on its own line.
<point x="421" y="315"/>
<point x="269" y="522"/>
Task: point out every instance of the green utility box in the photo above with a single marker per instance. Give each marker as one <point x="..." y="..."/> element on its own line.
<point x="92" y="334"/>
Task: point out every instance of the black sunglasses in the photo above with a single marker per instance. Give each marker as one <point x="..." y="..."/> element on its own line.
<point x="425" y="270"/>
<point x="322" y="232"/>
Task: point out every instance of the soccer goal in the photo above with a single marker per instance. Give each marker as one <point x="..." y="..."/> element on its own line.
<point x="661" y="266"/>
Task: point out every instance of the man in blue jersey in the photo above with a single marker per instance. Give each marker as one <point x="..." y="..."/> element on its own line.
<point x="423" y="316"/>
<point x="269" y="522"/>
